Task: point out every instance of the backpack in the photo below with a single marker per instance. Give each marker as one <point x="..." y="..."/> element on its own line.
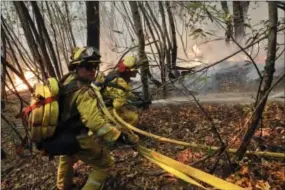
<point x="43" y="118"/>
<point x="43" y="113"/>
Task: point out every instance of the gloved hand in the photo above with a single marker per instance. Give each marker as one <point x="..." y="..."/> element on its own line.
<point x="128" y="138"/>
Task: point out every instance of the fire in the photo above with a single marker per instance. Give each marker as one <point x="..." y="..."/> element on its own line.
<point x="196" y="50"/>
<point x="20" y="85"/>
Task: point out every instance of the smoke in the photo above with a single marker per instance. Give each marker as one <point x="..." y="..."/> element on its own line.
<point x="117" y="35"/>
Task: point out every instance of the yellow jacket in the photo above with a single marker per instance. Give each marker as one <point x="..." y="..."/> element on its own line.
<point x="119" y="96"/>
<point x="84" y="102"/>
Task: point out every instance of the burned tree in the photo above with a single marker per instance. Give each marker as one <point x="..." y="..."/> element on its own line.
<point x="93" y="24"/>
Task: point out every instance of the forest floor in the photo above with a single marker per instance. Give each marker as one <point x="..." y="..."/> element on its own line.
<point x="181" y="122"/>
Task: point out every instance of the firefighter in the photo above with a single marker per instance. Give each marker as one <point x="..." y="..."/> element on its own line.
<point x="117" y="90"/>
<point x="80" y="113"/>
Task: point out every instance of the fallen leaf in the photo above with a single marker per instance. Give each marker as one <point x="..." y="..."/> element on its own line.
<point x="244" y="170"/>
<point x="262" y="185"/>
<point x="185" y="156"/>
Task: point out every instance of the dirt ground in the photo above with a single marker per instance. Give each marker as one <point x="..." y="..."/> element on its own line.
<point x="132" y="171"/>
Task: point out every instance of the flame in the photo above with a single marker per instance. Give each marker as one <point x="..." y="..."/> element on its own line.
<point x="20" y="85"/>
<point x="196" y="50"/>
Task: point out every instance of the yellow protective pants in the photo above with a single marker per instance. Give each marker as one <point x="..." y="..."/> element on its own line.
<point x="128" y="115"/>
<point x="95" y="155"/>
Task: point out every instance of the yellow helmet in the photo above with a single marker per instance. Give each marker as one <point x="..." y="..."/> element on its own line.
<point x="129" y="63"/>
<point x="74" y="50"/>
<point x="88" y="56"/>
<point x="85" y="54"/>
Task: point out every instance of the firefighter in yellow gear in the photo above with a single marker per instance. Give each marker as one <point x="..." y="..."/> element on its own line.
<point x="79" y="114"/>
<point x="117" y="89"/>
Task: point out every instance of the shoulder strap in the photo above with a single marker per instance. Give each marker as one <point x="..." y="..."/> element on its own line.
<point x="72" y="86"/>
<point x="64" y="77"/>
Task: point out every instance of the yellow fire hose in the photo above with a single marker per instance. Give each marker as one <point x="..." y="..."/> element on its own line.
<point x="173" y="171"/>
<point x="194" y="145"/>
<point x="176" y="168"/>
<point x="107" y="112"/>
<point x="172" y="166"/>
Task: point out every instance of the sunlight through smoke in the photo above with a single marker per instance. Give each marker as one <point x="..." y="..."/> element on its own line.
<point x="20" y="85"/>
<point x="196" y="50"/>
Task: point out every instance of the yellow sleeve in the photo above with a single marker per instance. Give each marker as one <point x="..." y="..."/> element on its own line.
<point x="92" y="116"/>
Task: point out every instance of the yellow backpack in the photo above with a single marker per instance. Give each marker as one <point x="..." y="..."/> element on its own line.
<point x="43" y="113"/>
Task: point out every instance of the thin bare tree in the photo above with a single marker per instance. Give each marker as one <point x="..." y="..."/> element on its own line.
<point x="144" y="65"/>
<point x="269" y="70"/>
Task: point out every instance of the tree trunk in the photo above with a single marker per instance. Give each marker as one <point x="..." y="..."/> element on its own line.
<point x="162" y="43"/>
<point x="166" y="49"/>
<point x="3" y="71"/>
<point x="144" y="66"/>
<point x="238" y="18"/>
<point x="61" y="28"/>
<point x="148" y="24"/>
<point x="46" y="38"/>
<point x="228" y="19"/>
<point x="38" y="34"/>
<point x="22" y="52"/>
<point x="69" y="24"/>
<point x="159" y="62"/>
<point x="30" y="32"/>
<point x="29" y="37"/>
<point x="165" y="35"/>
<point x="93" y="24"/>
<point x="267" y="78"/>
<point x="173" y="37"/>
<point x="155" y="24"/>
<point x="245" y="5"/>
<point x="54" y="35"/>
